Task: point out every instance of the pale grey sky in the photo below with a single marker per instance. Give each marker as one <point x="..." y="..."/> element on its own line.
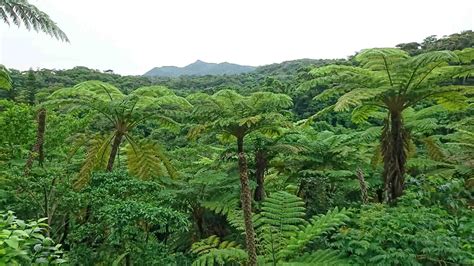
<point x="131" y="37"/>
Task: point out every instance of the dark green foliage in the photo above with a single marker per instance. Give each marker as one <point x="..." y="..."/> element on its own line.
<point x="117" y="214"/>
<point x="456" y="41"/>
<point x="408" y="235"/>
<point x="263" y="184"/>
<point x="212" y="251"/>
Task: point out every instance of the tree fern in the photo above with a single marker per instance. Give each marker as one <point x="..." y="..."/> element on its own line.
<point x="124" y="113"/>
<point x="20" y="12"/>
<point x="388" y="80"/>
<point x="212" y="251"/>
<point x="228" y="113"/>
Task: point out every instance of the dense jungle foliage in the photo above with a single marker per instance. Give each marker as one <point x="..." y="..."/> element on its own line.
<point x="359" y="161"/>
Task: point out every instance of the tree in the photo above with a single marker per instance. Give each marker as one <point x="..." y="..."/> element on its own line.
<point x="38" y="147"/>
<point x="31" y="87"/>
<point x="123" y="114"/>
<point x="236" y="116"/>
<point x="266" y="148"/>
<point x="391" y="81"/>
<point x="5" y="79"/>
<point x="21" y="12"/>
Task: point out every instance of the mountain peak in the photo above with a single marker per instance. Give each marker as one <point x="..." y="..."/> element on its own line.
<point x="199" y="68"/>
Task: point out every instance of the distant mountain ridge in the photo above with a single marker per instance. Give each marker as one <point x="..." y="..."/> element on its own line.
<point x="199" y="68"/>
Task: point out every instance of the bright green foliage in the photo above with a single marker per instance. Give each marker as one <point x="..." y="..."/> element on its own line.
<point x="286" y="236"/>
<point x="123" y="113"/>
<point x="5" y="80"/>
<point x="298" y="201"/>
<point x="146" y="160"/>
<point x="283" y="235"/>
<point x="21" y="12"/>
<point x="408" y="235"/>
<point x="281" y="217"/>
<point x="121" y="214"/>
<point x="390" y="80"/>
<point x="212" y="251"/>
<point x="320" y="257"/>
<point x="16" y="124"/>
<point x="232" y="114"/>
<point x="319" y="173"/>
<point x="317" y="227"/>
<point x="24" y="243"/>
<point x="96" y="156"/>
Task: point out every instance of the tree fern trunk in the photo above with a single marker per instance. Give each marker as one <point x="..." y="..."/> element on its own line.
<point x="246" y="199"/>
<point x="38" y="147"/>
<point x="363" y="187"/>
<point x="261" y="166"/>
<point x="394" y="150"/>
<point x="113" y="153"/>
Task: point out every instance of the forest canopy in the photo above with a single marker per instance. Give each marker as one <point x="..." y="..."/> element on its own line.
<point x="367" y="160"/>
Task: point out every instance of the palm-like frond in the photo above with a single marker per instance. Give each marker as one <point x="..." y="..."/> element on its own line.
<point x="147" y="160"/>
<point x="20" y="12"/>
<point x="97" y="152"/>
<point x="386" y="73"/>
<point x="228" y="112"/>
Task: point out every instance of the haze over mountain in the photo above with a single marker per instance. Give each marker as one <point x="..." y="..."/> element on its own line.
<point x="199" y="68"/>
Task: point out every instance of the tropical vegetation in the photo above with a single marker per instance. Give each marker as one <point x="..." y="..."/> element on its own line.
<point x="359" y="161"/>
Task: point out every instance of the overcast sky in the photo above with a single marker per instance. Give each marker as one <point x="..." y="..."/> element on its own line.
<point x="131" y="37"/>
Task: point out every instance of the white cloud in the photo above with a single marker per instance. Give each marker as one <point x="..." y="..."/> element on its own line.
<point x="131" y="37"/>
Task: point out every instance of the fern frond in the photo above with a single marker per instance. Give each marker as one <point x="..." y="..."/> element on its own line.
<point x="98" y="150"/>
<point x="222" y="257"/>
<point x="20" y="12"/>
<point x="212" y="251"/>
<point x="381" y="59"/>
<point x="146" y="160"/>
<point x="357" y="96"/>
<point x="322" y="257"/>
<point x="281" y="217"/>
<point x="363" y="112"/>
<point x="317" y="227"/>
<point x="433" y="149"/>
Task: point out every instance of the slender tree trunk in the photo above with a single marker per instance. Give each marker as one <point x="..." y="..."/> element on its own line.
<point x="65" y="233"/>
<point x="363" y="186"/>
<point x="394" y="150"/>
<point x="113" y="153"/>
<point x="246" y="199"/>
<point x="261" y="166"/>
<point x="38" y="147"/>
<point x="198" y="217"/>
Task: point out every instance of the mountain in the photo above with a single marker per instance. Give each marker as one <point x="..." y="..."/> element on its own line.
<point x="199" y="68"/>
